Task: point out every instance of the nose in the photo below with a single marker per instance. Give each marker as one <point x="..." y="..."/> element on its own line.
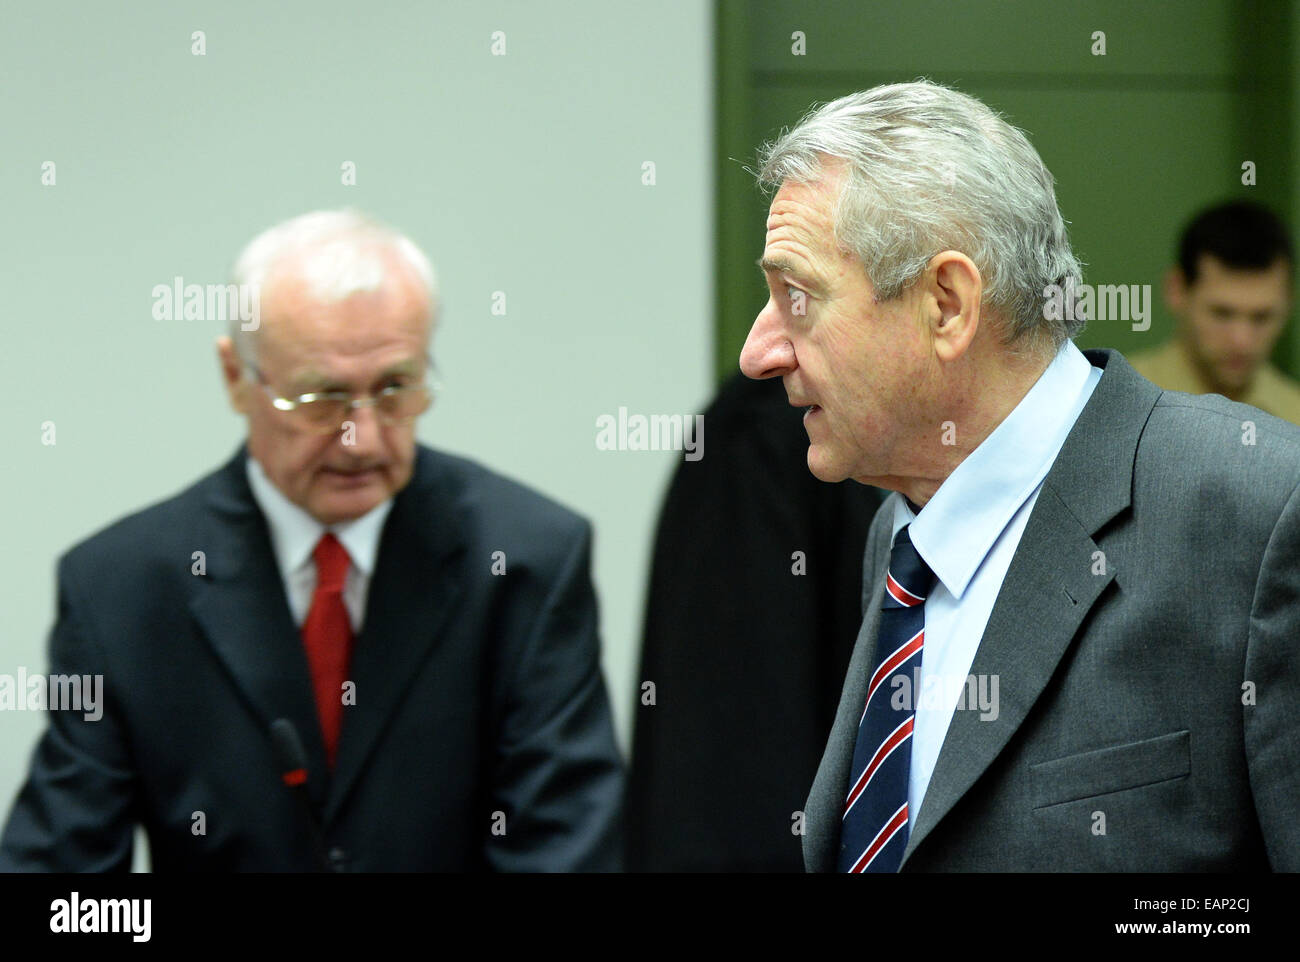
<point x="1243" y="337"/>
<point x="363" y="440"/>
<point x="767" y="352"/>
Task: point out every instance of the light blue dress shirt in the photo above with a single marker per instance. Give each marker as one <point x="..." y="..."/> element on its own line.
<point x="967" y="533"/>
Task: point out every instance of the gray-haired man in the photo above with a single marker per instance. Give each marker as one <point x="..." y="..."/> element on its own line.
<point x="1081" y="606"/>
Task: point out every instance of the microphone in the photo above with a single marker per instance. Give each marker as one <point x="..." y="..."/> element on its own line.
<point x="293" y="772"/>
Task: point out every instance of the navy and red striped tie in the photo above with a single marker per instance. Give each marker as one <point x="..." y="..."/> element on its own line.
<point x="873" y="834"/>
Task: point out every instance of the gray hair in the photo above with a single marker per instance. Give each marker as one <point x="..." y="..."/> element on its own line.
<point x="344" y="262"/>
<point x="932" y="169"/>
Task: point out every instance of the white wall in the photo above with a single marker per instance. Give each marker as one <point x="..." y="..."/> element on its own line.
<point x="520" y="173"/>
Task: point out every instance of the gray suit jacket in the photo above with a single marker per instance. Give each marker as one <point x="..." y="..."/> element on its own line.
<point x="1149" y="716"/>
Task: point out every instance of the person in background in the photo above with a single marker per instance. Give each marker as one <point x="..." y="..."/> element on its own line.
<point x="1231" y="294"/>
<point x="744" y="695"/>
<point x="342" y="651"/>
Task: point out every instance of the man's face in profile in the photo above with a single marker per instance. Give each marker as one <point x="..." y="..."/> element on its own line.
<point x="1231" y="318"/>
<point x="856" y="364"/>
<point x="360" y="345"/>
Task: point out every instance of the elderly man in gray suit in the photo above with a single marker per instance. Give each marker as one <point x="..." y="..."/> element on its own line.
<point x="1081" y="607"/>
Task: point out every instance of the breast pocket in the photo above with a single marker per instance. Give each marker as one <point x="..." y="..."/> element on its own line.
<point x="1114" y="769"/>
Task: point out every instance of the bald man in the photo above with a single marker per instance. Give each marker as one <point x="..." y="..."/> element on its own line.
<point x="341" y="651"/>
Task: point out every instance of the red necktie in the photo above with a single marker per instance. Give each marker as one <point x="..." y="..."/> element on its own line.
<point x="327" y="636"/>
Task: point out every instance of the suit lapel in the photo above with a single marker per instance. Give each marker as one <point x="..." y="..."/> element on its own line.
<point x="418" y="580"/>
<point x="244" y="616"/>
<point x="825" y="807"/>
<point x="1052" y="566"/>
<point x="1049" y="583"/>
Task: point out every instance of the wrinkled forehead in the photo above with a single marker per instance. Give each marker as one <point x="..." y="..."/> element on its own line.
<point x="801" y="241"/>
<point x="800" y="212"/>
<point x="808" y="207"/>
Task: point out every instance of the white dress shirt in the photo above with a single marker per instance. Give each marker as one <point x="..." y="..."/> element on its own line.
<point x="294" y="534"/>
<point x="968" y="532"/>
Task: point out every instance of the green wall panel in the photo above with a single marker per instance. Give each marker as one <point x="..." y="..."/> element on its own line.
<point x="1137" y="139"/>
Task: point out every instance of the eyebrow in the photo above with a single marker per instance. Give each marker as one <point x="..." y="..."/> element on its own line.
<point x="1225" y="308"/>
<point x="408" y="366"/>
<point x="779" y="265"/>
<point x="317" y="380"/>
<point x="783" y="265"/>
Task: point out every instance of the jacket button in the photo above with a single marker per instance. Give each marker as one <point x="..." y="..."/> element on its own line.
<point x="338" y="859"/>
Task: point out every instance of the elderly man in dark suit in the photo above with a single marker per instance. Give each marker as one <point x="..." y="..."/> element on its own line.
<point x="1082" y="602"/>
<point x="342" y="650"/>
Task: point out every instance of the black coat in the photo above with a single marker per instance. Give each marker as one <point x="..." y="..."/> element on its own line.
<point x="747" y="657"/>
<point x="475" y="694"/>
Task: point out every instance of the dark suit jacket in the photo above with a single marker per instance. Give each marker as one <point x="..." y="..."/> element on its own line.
<point x="1150" y="694"/>
<point x="475" y="694"/>
<point x="745" y="690"/>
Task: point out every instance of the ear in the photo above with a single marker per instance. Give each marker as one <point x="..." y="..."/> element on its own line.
<point x="232" y="374"/>
<point x="956" y="287"/>
<point x="1176" y="290"/>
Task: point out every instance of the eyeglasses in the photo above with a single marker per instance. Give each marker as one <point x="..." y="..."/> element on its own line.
<point x="325" y="412"/>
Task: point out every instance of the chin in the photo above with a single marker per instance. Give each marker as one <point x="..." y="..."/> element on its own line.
<point x="340" y="506"/>
<point x="823" y="469"/>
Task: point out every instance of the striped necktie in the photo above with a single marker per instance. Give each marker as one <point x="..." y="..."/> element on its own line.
<point x="873" y="834"/>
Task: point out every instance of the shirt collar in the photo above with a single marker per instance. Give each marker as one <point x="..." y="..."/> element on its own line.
<point x="959" y="525"/>
<point x="294" y="532"/>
